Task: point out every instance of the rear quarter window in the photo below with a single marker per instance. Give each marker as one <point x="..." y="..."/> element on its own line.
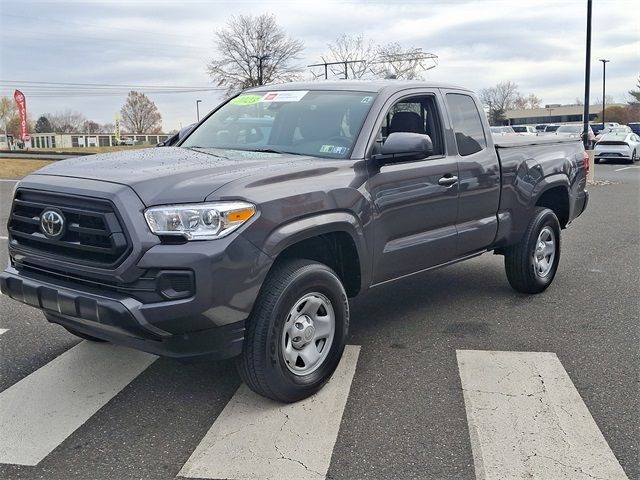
<point x="467" y="124"/>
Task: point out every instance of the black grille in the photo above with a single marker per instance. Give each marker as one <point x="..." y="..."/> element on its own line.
<point x="93" y="235"/>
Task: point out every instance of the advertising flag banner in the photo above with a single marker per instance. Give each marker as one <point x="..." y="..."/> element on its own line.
<point x="21" y="102"/>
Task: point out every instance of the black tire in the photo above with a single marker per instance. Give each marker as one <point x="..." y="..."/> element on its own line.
<point x="596" y="161"/>
<point x="262" y="365"/>
<point x="84" y="335"/>
<point x="519" y="259"/>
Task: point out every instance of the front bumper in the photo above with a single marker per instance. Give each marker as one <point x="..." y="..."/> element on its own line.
<point x="209" y="324"/>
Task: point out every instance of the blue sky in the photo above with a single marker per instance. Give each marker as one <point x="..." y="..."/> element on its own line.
<point x="537" y="44"/>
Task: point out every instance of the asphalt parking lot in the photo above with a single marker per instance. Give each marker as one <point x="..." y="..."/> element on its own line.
<point x="404" y="414"/>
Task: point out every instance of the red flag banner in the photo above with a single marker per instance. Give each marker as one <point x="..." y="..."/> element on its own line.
<point x="21" y="102"/>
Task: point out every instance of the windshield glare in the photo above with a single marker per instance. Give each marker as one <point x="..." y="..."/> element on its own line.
<point x="317" y="123"/>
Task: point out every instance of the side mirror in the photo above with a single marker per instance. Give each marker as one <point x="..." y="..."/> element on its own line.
<point x="404" y="147"/>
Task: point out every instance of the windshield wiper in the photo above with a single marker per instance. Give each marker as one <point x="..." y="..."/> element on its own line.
<point x="206" y="151"/>
<point x="264" y="150"/>
<point x="270" y="150"/>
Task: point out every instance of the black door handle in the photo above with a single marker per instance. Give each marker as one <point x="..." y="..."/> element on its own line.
<point x="448" y="180"/>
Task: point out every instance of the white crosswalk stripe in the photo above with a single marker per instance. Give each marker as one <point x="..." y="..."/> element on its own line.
<point x="39" y="412"/>
<point x="527" y="420"/>
<point x="3" y="330"/>
<point x="525" y="417"/>
<point x="254" y="438"/>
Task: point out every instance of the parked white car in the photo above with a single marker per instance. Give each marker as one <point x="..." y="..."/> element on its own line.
<point x="500" y="131"/>
<point x="526" y="130"/>
<point x="618" y="146"/>
<point x="575" y="131"/>
<point x="617" y="129"/>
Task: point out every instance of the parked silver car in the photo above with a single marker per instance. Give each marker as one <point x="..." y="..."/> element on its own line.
<point x="618" y="146"/>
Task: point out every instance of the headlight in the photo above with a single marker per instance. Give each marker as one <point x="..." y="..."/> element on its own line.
<point x="199" y="221"/>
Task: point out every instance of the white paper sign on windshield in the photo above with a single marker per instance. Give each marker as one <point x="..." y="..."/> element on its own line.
<point x="284" y="96"/>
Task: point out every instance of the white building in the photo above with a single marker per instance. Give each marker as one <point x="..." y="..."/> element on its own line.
<point x="72" y="140"/>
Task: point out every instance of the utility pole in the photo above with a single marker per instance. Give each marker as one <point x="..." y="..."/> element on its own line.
<point x="604" y="70"/>
<point x="587" y="82"/>
<point x="198" y="110"/>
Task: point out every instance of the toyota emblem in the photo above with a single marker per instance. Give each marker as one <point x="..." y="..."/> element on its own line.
<point x="52" y="223"/>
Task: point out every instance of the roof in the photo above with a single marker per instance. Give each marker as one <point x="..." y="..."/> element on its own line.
<point x="354" y="85"/>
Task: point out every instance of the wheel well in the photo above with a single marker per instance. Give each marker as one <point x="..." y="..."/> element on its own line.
<point x="337" y="250"/>
<point x="556" y="199"/>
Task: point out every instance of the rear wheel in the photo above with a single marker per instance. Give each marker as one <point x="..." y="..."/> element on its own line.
<point x="296" y="333"/>
<point x="531" y="264"/>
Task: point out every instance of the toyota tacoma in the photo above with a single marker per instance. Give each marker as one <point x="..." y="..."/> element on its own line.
<point x="248" y="238"/>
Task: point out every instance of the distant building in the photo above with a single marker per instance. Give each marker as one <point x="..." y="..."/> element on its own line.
<point x="553" y="114"/>
<point x="71" y="140"/>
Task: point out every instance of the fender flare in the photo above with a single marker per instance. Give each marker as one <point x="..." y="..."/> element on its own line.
<point x="290" y="233"/>
<point x="547" y="183"/>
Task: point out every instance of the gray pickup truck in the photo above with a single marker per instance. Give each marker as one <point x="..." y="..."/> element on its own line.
<point x="248" y="238"/>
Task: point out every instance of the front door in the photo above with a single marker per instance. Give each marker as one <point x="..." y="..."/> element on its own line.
<point x="416" y="202"/>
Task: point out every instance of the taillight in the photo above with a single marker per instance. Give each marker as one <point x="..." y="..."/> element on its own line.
<point x="585" y="161"/>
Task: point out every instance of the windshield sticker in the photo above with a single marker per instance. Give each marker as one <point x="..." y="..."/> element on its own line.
<point x="333" y="149"/>
<point x="366" y="100"/>
<point x="284" y="96"/>
<point x="246" y="99"/>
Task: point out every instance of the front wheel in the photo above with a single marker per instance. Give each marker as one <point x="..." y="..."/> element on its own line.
<point x="531" y="264"/>
<point x="297" y="331"/>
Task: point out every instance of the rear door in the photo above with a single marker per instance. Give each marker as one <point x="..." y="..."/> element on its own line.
<point x="479" y="174"/>
<point x="415" y="210"/>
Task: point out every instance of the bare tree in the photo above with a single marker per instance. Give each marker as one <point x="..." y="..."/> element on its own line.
<point x="529" y="102"/>
<point x="89" y="126"/>
<point x="395" y="61"/>
<point x="107" y="128"/>
<point x="499" y="99"/>
<point x="140" y="115"/>
<point x="67" y="121"/>
<point x="253" y="51"/>
<point x="357" y="53"/>
<point x="634" y="95"/>
<point x="8" y="111"/>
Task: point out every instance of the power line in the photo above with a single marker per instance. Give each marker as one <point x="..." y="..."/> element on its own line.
<point x="74" y="84"/>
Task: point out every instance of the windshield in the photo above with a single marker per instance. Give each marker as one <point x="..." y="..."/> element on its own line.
<point x="317" y="123"/>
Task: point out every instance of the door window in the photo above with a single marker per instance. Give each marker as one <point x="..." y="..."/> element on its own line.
<point x="414" y="115"/>
<point x="466" y="124"/>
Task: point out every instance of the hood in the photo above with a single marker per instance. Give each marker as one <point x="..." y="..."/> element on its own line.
<point x="172" y="174"/>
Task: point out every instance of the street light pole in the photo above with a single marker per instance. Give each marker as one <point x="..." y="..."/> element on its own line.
<point x="604" y="69"/>
<point x="198" y="109"/>
<point x="587" y="83"/>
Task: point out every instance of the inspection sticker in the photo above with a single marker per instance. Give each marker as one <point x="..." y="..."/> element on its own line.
<point x="246" y="99"/>
<point x="284" y="96"/>
<point x="333" y="149"/>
